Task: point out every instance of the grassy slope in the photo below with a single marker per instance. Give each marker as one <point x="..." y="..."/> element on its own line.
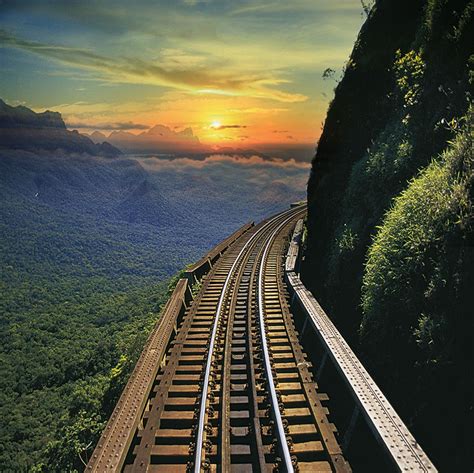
<point x="417" y="302"/>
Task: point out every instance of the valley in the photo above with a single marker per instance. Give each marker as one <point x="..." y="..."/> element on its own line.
<point x="88" y="246"/>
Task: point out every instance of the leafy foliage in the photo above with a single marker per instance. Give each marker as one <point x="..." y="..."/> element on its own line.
<point x="367" y="6"/>
<point x="409" y="70"/>
<point x="417" y="292"/>
<point x="79" y="296"/>
<point x="408" y="263"/>
<point x="67" y="349"/>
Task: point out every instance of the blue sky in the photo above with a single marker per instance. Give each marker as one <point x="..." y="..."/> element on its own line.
<point x="179" y="63"/>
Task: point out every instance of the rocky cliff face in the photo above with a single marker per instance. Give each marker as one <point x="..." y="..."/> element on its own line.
<point x="21" y="128"/>
<point x="390" y="217"/>
<point x="23" y="117"/>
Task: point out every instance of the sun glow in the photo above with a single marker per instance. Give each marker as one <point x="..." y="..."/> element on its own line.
<point x="216" y="124"/>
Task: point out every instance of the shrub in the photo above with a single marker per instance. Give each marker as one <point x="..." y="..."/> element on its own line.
<point x="414" y="267"/>
<point x="409" y="70"/>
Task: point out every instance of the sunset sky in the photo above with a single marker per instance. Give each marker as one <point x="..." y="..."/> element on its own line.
<point x="235" y="71"/>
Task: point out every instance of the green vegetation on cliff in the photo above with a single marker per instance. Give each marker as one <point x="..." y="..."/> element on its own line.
<point x="390" y="232"/>
<point x="417" y="297"/>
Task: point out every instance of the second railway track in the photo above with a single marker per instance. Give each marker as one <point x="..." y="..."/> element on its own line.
<point x="235" y="392"/>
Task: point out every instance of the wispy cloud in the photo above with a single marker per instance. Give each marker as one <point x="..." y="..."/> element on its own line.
<point x="295" y="5"/>
<point x="138" y="71"/>
<point x="108" y="126"/>
<point x="115" y="17"/>
<point x="193" y="3"/>
<point x="258" y="110"/>
<point x="183" y="63"/>
<point x="224" y="127"/>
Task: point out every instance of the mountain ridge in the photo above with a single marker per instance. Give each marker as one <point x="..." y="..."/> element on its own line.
<point x="22" y="128"/>
<point x="158" y="139"/>
<point x="21" y="117"/>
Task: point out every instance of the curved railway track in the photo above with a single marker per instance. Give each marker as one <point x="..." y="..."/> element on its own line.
<point x="235" y="392"/>
<point x="224" y="385"/>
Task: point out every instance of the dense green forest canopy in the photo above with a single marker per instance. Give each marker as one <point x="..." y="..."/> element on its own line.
<point x="75" y="312"/>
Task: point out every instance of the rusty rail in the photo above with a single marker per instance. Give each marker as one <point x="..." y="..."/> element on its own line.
<point x="235" y="390"/>
<point x="277" y="415"/>
<point x="205" y="388"/>
<point x="232" y="388"/>
<point x="224" y="382"/>
<point x="115" y="441"/>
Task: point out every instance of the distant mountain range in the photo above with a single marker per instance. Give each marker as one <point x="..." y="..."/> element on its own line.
<point x="22" y="128"/>
<point x="43" y="163"/>
<point x="158" y="139"/>
<point x="162" y="140"/>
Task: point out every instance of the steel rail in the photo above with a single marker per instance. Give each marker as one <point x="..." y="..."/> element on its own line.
<point x="257" y="425"/>
<point x="205" y="389"/>
<point x="271" y="385"/>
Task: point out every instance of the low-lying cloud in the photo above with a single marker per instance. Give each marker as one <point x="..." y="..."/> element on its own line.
<point x="256" y="185"/>
<point x="223" y="159"/>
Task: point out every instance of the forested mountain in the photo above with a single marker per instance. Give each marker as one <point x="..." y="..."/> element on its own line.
<point x="83" y="276"/>
<point x="390" y="227"/>
<point x="88" y="243"/>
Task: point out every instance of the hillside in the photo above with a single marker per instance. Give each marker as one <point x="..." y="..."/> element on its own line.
<point x="390" y="224"/>
<point x="82" y="280"/>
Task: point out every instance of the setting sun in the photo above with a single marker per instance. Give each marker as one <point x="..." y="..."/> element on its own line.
<point x="215" y="124"/>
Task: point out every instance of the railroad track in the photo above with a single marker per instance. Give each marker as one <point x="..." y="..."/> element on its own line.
<point x="223" y="383"/>
<point x="235" y="391"/>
